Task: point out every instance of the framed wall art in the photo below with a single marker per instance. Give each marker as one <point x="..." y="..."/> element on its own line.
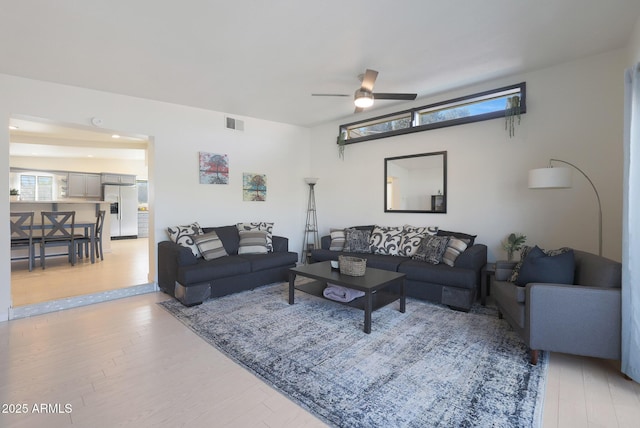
<point x="214" y="168"/>
<point x="254" y="187"/>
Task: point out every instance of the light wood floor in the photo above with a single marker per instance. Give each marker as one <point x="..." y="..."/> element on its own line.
<point x="130" y="363"/>
<point x="125" y="265"/>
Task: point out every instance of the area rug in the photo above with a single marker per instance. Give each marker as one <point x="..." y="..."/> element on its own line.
<point x="428" y="367"/>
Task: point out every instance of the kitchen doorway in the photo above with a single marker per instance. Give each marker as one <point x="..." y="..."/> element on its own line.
<point x="43" y="145"/>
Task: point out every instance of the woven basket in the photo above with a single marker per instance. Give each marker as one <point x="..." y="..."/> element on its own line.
<point x="352" y="266"/>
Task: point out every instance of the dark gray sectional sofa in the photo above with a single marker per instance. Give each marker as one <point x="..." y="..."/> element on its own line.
<point x="192" y="280"/>
<point x="455" y="286"/>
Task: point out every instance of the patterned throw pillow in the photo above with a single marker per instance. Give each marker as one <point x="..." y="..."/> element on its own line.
<point x="357" y="241"/>
<point x="253" y="242"/>
<point x="184" y="235"/>
<point x="386" y="240"/>
<point x="455" y="247"/>
<point x="412" y="237"/>
<point x="337" y="240"/>
<point x="267" y="227"/>
<point x="523" y="254"/>
<point x="431" y="249"/>
<point x="210" y="246"/>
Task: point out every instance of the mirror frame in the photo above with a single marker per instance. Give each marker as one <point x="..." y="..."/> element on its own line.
<point x="444" y="182"/>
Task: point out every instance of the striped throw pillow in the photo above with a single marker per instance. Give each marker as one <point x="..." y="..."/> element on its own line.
<point x="253" y="242"/>
<point x="210" y="246"/>
<point x="455" y="247"/>
<point x="337" y="240"/>
<point x="261" y="225"/>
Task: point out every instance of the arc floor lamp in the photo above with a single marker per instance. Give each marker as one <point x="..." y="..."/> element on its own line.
<point x="560" y="178"/>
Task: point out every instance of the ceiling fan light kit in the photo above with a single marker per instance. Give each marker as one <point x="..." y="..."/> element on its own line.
<point x="363" y="99"/>
<point x="364" y="96"/>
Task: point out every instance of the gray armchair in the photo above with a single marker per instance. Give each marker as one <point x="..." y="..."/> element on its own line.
<point x="581" y="319"/>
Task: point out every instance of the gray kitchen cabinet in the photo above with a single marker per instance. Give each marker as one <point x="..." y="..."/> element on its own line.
<point x="82" y="185"/>
<point x="124" y="179"/>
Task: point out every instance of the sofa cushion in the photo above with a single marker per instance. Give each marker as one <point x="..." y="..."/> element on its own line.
<point x="455" y="247"/>
<point x="357" y="240"/>
<point x="459" y="235"/>
<point x="412" y="237"/>
<point x="386" y="240"/>
<point x="539" y="267"/>
<point x="337" y="239"/>
<point x="431" y="249"/>
<point x="376" y="261"/>
<point x="271" y="260"/>
<point x="208" y="270"/>
<point x="442" y="274"/>
<point x="380" y="261"/>
<point x="253" y="242"/>
<point x="210" y="246"/>
<point x="259" y="226"/>
<point x="322" y="255"/>
<point x="184" y="235"/>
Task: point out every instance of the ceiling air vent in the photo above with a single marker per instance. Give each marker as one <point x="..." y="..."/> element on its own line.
<point x="236" y="124"/>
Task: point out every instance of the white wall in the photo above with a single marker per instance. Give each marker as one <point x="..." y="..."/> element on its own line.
<point x="574" y="113"/>
<point x="178" y="133"/>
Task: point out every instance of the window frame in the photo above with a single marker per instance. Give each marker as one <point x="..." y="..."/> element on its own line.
<point x="416" y="111"/>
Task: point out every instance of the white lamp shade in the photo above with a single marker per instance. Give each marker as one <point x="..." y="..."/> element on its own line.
<point x="550" y="178"/>
<point x="311" y="180"/>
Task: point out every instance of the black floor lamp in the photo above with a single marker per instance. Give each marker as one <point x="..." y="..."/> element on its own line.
<point x="560" y="178"/>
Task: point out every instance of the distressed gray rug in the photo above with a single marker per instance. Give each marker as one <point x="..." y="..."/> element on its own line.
<point x="428" y="367"/>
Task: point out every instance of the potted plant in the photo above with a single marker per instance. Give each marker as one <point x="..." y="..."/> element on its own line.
<point x="511" y="112"/>
<point x="341" y="140"/>
<point x="13" y="194"/>
<point x="513" y="243"/>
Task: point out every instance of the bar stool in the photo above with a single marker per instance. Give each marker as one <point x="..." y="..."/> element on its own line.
<point x="85" y="240"/>
<point x="58" y="229"/>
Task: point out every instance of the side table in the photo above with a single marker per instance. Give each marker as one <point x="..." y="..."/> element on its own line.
<point x="500" y="269"/>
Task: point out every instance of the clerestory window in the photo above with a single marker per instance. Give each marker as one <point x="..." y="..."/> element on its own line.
<point x="473" y="108"/>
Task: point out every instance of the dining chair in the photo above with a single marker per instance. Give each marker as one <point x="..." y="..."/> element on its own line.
<point x="22" y="234"/>
<point x="58" y="229"/>
<point x="85" y="240"/>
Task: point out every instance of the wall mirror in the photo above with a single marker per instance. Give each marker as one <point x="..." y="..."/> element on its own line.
<point x="416" y="183"/>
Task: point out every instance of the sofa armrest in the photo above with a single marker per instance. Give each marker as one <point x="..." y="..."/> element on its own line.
<point x="280" y="244"/>
<point x="574" y="319"/>
<point x="170" y="257"/>
<point x="325" y="242"/>
<point x="474" y="257"/>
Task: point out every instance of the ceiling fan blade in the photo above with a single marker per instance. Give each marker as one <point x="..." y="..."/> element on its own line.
<point x="330" y="95"/>
<point x="369" y="79"/>
<point x="393" y="96"/>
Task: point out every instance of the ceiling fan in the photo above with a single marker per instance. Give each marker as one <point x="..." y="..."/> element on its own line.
<point x="364" y="96"/>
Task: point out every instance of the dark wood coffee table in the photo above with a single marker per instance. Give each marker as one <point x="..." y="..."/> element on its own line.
<point x="373" y="283"/>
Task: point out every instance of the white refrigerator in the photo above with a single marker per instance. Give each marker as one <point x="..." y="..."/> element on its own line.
<point x="123" y="209"/>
